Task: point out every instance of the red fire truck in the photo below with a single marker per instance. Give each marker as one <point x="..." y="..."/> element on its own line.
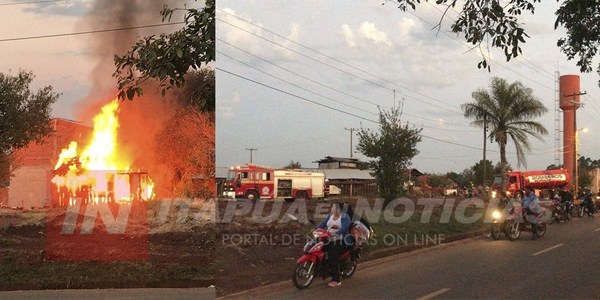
<point x="254" y="182"/>
<point x="541" y="180"/>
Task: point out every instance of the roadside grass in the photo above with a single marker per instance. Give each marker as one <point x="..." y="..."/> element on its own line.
<point x="181" y="254"/>
<point x="418" y="232"/>
<point x="68" y="275"/>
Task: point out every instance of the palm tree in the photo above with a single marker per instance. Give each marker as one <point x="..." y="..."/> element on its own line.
<point x="510" y="111"/>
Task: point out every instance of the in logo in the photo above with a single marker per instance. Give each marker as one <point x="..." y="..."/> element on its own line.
<point x="98" y="232"/>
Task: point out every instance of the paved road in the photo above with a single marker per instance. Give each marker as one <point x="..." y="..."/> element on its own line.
<point x="563" y="264"/>
<point x="121" y="294"/>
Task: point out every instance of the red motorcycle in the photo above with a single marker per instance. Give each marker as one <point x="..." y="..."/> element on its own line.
<point x="314" y="262"/>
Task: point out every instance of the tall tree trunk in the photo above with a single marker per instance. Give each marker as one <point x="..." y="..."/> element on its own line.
<point x="503" y="164"/>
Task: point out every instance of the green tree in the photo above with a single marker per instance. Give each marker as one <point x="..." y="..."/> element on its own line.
<point x="510" y="111"/>
<point x="168" y="57"/>
<point x="554" y="167"/>
<point x="580" y="19"/>
<point x="24" y="118"/>
<point x="437" y="180"/>
<point x="478" y="172"/>
<point x="391" y="148"/>
<point x="468" y="176"/>
<point x="199" y="92"/>
<point x="24" y="114"/>
<point x="496" y="24"/>
<point x="586" y="165"/>
<point x="584" y="178"/>
<point x="293" y="165"/>
<point x="457" y="177"/>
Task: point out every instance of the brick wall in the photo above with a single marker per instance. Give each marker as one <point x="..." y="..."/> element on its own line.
<point x="31" y="187"/>
<point x="46" y="153"/>
<point x="3" y="197"/>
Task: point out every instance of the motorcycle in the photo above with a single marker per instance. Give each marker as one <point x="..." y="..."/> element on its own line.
<point x="517" y="222"/>
<point x="586" y="206"/>
<point x="498" y="219"/>
<point x="572" y="208"/>
<point x="314" y="262"/>
<point x="558" y="212"/>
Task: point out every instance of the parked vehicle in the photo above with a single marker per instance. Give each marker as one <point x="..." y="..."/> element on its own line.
<point x="314" y="261"/>
<point x="543" y="181"/>
<point x="254" y="182"/>
<point x="586" y="205"/>
<point x="559" y="212"/>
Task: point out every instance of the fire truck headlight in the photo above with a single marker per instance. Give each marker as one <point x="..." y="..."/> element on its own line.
<point x="494" y="194"/>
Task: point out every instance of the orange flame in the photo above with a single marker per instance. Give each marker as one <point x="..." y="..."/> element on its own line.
<point x="99" y="172"/>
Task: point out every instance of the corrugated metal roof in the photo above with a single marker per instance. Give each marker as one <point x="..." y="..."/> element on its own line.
<point x="337" y="159"/>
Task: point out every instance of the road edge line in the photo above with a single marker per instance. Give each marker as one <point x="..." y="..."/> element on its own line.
<point x="434" y="294"/>
<point x="548" y="249"/>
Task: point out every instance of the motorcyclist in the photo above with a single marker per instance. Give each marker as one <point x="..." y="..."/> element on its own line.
<point x="501" y="205"/>
<point x="588" y="201"/>
<point x="338" y="224"/>
<point x="566" y="198"/>
<point x="531" y="207"/>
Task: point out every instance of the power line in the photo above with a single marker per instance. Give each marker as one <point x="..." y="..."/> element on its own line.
<point x="335" y="59"/>
<point x="32" y="2"/>
<point x="88" y="32"/>
<point x="295" y="96"/>
<point x="333" y="108"/>
<point x="293" y="84"/>
<point x="490" y="59"/>
<point x="314" y="81"/>
<point x="334" y="67"/>
<point x="520" y="59"/>
<point x="295" y="73"/>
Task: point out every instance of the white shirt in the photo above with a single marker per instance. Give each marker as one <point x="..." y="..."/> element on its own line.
<point x="331" y="223"/>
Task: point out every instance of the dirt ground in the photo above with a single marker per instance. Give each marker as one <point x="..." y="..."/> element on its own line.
<point x="182" y="257"/>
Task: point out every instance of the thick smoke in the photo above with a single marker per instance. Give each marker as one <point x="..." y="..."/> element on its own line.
<point x="141" y="119"/>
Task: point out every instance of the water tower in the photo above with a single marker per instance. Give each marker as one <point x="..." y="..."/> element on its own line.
<point x="569" y="103"/>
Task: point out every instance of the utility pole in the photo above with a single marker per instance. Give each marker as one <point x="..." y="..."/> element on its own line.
<point x="575" y="142"/>
<point x="351" y="134"/>
<point x="251" y="150"/>
<point x="484" y="160"/>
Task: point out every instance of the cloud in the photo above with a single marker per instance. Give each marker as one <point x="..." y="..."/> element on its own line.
<point x="226" y="112"/>
<point x="348" y="35"/>
<point x="441" y="123"/>
<point x="64" y="8"/>
<point x="293" y="35"/>
<point x="406" y="27"/>
<point x="237" y="32"/>
<point x="234" y="30"/>
<point x="369" y="32"/>
<point x="225" y="106"/>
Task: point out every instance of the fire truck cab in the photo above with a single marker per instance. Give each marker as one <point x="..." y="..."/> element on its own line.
<point x="255" y="182"/>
